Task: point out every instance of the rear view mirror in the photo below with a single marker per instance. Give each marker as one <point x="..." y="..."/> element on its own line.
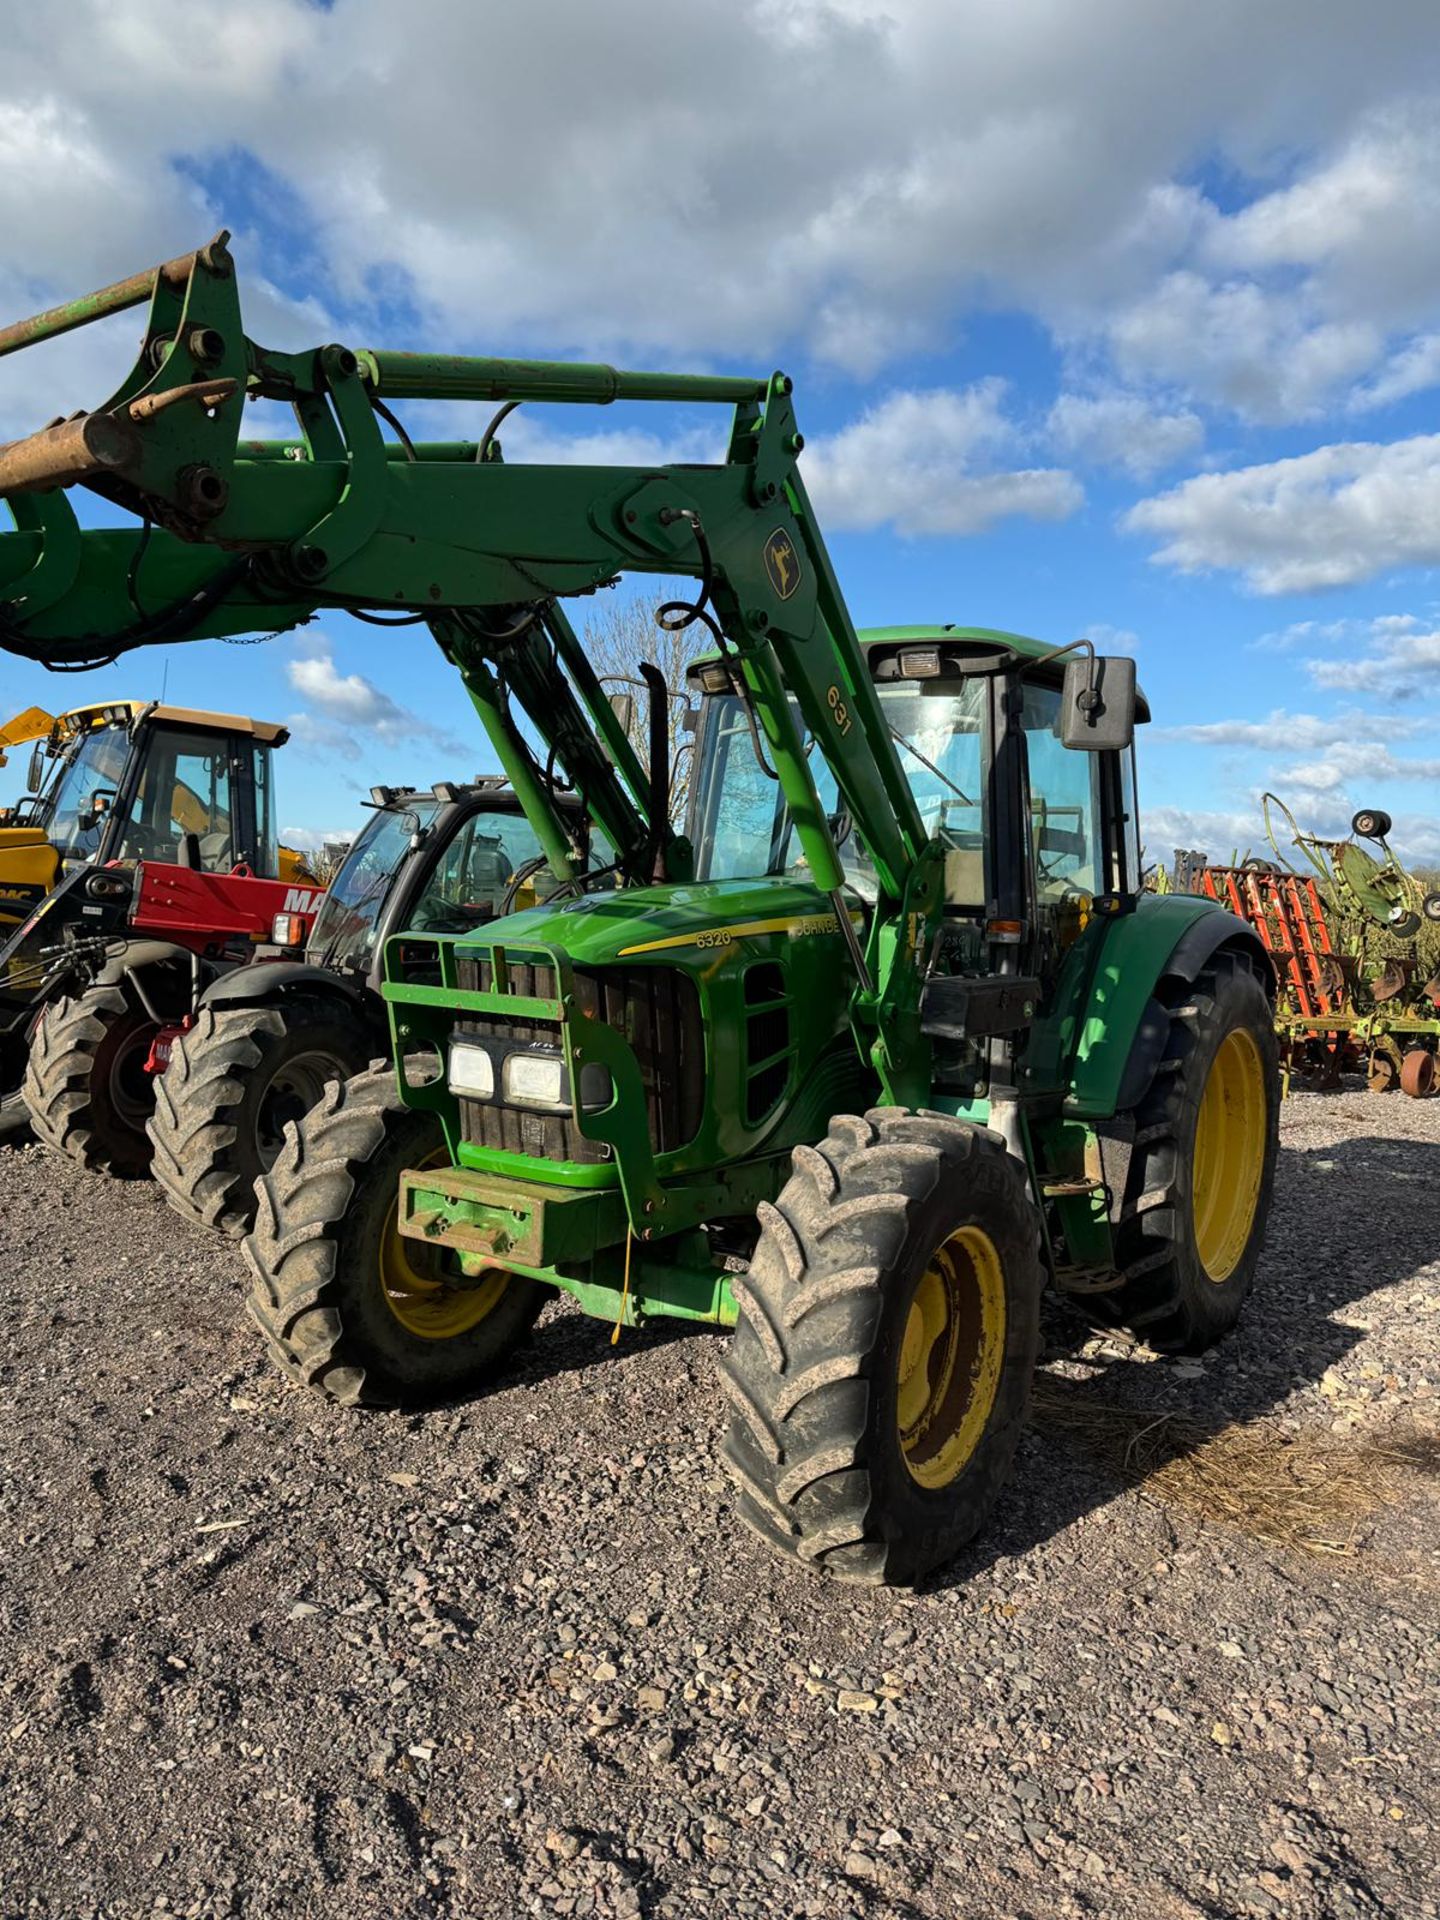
<point x="1097" y="705"/>
<point x="36" y="773"/>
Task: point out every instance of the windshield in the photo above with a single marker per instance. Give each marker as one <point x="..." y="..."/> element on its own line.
<point x="470" y="883"/>
<point x="344" y="929"/>
<point x="471" y="879"/>
<point x="744" y="829"/>
<point x="93" y="766"/>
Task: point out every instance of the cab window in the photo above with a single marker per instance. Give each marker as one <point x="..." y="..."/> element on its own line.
<point x="184" y="789"/>
<point x="1064" y="806"/>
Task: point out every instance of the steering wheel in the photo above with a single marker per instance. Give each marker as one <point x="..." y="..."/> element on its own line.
<point x="144" y="843"/>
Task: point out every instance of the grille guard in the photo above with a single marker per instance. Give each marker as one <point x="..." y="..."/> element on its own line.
<point x="426" y="1014"/>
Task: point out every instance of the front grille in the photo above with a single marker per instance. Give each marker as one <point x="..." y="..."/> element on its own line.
<point x="657" y="1009"/>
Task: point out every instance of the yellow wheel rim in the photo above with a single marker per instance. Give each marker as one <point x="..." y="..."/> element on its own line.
<point x="951" y="1357"/>
<point x="418" y="1290"/>
<point x="1230" y="1137"/>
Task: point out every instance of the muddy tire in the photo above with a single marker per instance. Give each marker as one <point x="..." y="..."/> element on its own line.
<point x="233" y="1082"/>
<point x="880" y="1372"/>
<point x="86" y="1087"/>
<point x="347" y="1306"/>
<point x="1198" y="1191"/>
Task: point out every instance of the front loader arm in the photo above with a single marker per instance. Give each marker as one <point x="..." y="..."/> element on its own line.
<point x="238" y="535"/>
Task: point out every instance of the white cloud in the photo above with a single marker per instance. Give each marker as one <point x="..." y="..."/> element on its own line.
<point x="350" y="707"/>
<point x="1350" y="761"/>
<point x="932" y="463"/>
<point x="1412" y="369"/>
<point x="1108" y="639"/>
<point x="1401" y="661"/>
<point x="536" y="439"/>
<point x="1239" y="345"/>
<point x="1361" y="220"/>
<point x="841" y="174"/>
<point x="1227" y="833"/>
<point x="1282" y="732"/>
<point x="1355" y="760"/>
<point x="1118" y="429"/>
<point x="1210" y="831"/>
<point x="315" y="839"/>
<point x="1324" y="519"/>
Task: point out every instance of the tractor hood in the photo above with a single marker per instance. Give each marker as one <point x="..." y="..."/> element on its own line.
<point x="639" y="922"/>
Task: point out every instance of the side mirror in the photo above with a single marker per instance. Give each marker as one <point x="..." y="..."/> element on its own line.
<point x="622" y="705"/>
<point x="35" y="777"/>
<point x="1097" y="704"/>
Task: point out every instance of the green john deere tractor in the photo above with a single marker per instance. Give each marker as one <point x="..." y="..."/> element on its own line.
<point x="885" y="1039"/>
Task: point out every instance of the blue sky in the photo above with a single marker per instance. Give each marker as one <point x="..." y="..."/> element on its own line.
<point x="1120" y="320"/>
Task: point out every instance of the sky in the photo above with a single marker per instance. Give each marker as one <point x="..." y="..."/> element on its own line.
<point x="1119" y="320"/>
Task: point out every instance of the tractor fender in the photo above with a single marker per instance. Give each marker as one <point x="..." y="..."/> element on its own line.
<point x="1196" y="947"/>
<point x="1203" y="939"/>
<point x="136" y="955"/>
<point x="1111" y="1028"/>
<point x="137" y="960"/>
<point x="263" y="979"/>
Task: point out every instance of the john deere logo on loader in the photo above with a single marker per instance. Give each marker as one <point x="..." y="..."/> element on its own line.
<point x="782" y="563"/>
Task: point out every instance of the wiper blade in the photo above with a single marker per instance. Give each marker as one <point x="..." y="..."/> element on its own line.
<point x="910" y="747"/>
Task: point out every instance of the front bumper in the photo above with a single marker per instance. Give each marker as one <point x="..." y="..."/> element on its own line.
<point x="517" y="1223"/>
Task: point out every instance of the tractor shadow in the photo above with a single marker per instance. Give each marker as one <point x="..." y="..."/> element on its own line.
<point x="1347" y="1220"/>
<point x="566" y="1340"/>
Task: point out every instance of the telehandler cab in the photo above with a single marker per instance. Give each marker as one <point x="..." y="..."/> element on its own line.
<point x="143" y="860"/>
<point x="888" y="1036"/>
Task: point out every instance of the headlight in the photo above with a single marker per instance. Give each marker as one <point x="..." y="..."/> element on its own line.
<point x="523" y="1077"/>
<point x="472" y="1071"/>
<point x="535" y="1080"/>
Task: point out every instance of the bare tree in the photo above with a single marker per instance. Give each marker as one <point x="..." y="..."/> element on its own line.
<point x="620" y="634"/>
<point x="326" y="861"/>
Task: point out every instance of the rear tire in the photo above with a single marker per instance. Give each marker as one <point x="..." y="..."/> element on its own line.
<point x="1193" y="1216"/>
<point x="86" y="1087"/>
<point x="880" y="1373"/>
<point x="331" y="1277"/>
<point x="233" y="1082"/>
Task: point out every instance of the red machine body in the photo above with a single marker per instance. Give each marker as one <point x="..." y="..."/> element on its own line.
<point x="204" y="910"/>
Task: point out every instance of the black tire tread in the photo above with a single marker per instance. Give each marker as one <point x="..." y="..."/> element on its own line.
<point x="1153" y="1299"/>
<point x="296" y="1292"/>
<point x="199" y="1108"/>
<point x="796" y="1375"/>
<point x="58" y="1074"/>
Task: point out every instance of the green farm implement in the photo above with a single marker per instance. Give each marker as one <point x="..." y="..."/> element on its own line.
<point x="1342" y="1004"/>
<point x="884" y="1038"/>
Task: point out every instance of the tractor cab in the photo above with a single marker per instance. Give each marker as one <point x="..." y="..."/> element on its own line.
<point x="443" y="859"/>
<point x="1035" y="831"/>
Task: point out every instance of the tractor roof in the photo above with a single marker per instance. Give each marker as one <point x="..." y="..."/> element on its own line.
<point x="979" y="639"/>
<point x="106" y="713"/>
<point x="493" y="789"/>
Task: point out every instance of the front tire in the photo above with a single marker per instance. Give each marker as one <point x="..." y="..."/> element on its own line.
<point x="347" y="1304"/>
<point x="86" y="1088"/>
<point x="1202" y="1168"/>
<point x="232" y="1084"/>
<point x="880" y="1372"/>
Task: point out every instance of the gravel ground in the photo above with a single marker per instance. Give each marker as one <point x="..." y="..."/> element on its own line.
<point x="261" y="1657"/>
